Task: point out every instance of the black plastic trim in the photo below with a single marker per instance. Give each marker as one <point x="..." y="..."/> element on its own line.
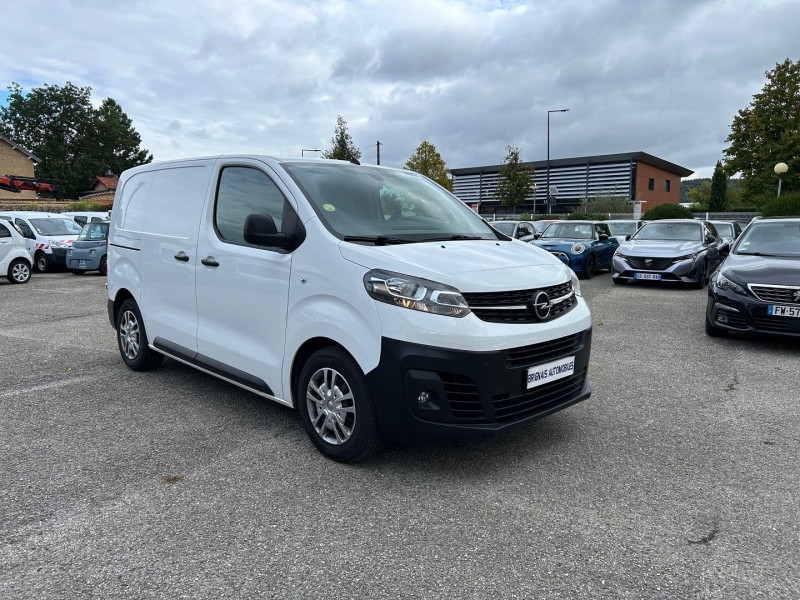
<point x="211" y="365"/>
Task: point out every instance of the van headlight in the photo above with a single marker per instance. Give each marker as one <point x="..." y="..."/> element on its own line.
<point x="576" y="283"/>
<point x="416" y="294"/>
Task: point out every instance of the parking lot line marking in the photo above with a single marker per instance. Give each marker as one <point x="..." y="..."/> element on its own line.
<point x="47" y="386"/>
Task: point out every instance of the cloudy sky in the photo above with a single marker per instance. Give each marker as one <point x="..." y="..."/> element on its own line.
<point x="202" y="77"/>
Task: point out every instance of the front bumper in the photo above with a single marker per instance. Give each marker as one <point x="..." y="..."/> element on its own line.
<point x="58" y="257"/>
<point x="684" y="271"/>
<point x="76" y="255"/>
<point x="735" y="312"/>
<point x="471" y="394"/>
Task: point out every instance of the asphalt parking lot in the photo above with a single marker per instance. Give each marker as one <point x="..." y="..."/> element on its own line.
<point x="679" y="477"/>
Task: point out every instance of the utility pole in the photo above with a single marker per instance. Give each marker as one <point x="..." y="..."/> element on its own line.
<point x="379" y="151"/>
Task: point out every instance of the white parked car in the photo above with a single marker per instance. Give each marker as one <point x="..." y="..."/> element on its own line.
<point x="15" y="262"/>
<point x="48" y="236"/>
<point x="82" y="218"/>
<point x="370" y="299"/>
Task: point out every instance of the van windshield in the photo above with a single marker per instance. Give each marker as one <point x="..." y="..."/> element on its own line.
<point x="380" y="205"/>
<point x="59" y="226"/>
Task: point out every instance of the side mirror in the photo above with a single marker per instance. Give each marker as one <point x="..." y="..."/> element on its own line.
<point x="536" y="236"/>
<point x="602" y="237"/>
<point x="628" y="238"/>
<point x="710" y="239"/>
<point x="259" y="230"/>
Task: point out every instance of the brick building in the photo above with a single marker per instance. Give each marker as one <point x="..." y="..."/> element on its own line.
<point x="15" y="160"/>
<point x="635" y="176"/>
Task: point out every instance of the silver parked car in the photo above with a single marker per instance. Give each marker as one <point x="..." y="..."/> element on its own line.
<point x="681" y="250"/>
<point x="728" y="230"/>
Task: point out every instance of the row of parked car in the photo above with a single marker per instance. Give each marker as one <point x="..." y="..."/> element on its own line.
<point x="30" y="239"/>
<point x="753" y="274"/>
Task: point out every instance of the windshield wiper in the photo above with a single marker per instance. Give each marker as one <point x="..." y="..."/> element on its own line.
<point x="455" y="236"/>
<point x="765" y="254"/>
<point x="378" y="240"/>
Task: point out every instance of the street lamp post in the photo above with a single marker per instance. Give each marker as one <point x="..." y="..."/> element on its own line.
<point x="547" y="196"/>
<point x="780" y="171"/>
<point x="304" y="150"/>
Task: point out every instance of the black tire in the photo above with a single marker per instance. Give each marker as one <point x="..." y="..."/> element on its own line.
<point x="42" y="264"/>
<point x="702" y="278"/>
<point x="103" y="266"/>
<point x="19" y="271"/>
<point x="590" y="268"/>
<point x="336" y="406"/>
<point x="715" y="331"/>
<point x="132" y="339"/>
<point x="77" y="271"/>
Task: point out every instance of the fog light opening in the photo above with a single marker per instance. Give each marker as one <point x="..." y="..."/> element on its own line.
<point x="423" y="397"/>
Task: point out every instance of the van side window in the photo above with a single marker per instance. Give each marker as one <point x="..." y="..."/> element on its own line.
<point x="23" y="226"/>
<point x="4" y="232"/>
<point x="243" y="191"/>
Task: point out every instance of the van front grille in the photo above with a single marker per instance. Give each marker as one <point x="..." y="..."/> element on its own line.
<point x="462" y="396"/>
<point x="525" y="356"/>
<point x="539" y="399"/>
<point x="517" y="306"/>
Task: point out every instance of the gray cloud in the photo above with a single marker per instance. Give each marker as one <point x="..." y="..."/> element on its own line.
<point x="204" y="77"/>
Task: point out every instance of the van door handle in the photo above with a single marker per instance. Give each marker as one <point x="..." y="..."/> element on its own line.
<point x="210" y="261"/>
<point x="182" y="256"/>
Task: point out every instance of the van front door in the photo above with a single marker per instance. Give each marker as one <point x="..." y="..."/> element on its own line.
<point x="242" y="290"/>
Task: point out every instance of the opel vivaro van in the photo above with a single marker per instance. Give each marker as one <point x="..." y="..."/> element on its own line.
<point x="370" y="299"/>
<point x="48" y="236"/>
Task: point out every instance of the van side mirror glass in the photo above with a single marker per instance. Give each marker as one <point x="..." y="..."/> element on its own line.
<point x="259" y="230"/>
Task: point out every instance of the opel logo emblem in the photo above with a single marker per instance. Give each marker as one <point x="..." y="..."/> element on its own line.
<point x="541" y="305"/>
<point x="648" y="261"/>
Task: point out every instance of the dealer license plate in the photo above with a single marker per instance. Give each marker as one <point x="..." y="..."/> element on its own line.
<point x="81" y="264"/>
<point x="784" y="311"/>
<point x="647" y="275"/>
<point x="552" y="371"/>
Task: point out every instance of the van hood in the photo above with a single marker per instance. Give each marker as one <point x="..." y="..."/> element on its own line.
<point x="468" y="265"/>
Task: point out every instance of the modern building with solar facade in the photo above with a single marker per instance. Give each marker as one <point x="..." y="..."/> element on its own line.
<point x="635" y="176"/>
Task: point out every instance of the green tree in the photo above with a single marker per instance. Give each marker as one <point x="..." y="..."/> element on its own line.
<point x="788" y="205"/>
<point x="768" y="132"/>
<point x="699" y="196"/>
<point x="428" y="161"/>
<point x="515" y="181"/>
<point x="718" y="201"/>
<point x="667" y="211"/>
<point x="74" y="141"/>
<point x="342" y="147"/>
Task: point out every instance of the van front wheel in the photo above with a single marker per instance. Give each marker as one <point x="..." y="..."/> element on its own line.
<point x="132" y="339"/>
<point x="336" y="407"/>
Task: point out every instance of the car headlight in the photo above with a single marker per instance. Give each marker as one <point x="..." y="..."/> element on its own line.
<point x="576" y="283"/>
<point x="58" y="244"/>
<point x="415" y="293"/>
<point x="92" y="252"/>
<point x="685" y="257"/>
<point x="577" y="248"/>
<point x="720" y="282"/>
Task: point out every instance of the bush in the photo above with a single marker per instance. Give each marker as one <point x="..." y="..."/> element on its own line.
<point x="85" y="206"/>
<point x="667" y="211"/>
<point x="579" y="216"/>
<point x="788" y="205"/>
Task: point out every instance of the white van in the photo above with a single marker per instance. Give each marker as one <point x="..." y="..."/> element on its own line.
<point x="369" y="298"/>
<point x="84" y="217"/>
<point x="48" y="236"/>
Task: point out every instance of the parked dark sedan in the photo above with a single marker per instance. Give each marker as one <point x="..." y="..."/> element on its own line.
<point x="757" y="287"/>
<point x="681" y="250"/>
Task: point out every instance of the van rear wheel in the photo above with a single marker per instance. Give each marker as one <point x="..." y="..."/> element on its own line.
<point x="336" y="406"/>
<point x="132" y="339"/>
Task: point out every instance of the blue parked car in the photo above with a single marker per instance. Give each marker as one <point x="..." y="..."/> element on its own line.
<point x="584" y="246"/>
<point x="88" y="252"/>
